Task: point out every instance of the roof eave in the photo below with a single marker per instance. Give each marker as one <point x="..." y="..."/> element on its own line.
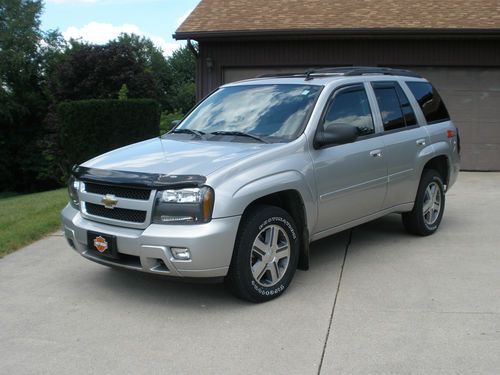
<point x="345" y="33"/>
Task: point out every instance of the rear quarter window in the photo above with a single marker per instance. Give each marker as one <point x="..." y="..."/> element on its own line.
<point x="429" y="101"/>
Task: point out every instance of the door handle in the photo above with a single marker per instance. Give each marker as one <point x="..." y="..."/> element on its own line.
<point x="421" y="142"/>
<point x="376" y="153"/>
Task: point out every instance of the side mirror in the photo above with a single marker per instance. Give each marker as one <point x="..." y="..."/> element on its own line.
<point x="336" y="134"/>
<point x="174" y="123"/>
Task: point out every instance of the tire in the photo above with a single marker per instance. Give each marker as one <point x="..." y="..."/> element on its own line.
<point x="261" y="269"/>
<point x="428" y="210"/>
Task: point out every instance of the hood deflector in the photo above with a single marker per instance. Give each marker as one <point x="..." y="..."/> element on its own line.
<point x="136" y="179"/>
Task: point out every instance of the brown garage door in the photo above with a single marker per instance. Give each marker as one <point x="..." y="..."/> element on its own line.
<point x="472" y="96"/>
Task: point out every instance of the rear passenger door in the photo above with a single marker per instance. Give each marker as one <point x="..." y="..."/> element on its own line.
<point x="403" y="141"/>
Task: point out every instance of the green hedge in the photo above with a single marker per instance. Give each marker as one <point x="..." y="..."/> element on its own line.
<point x="91" y="127"/>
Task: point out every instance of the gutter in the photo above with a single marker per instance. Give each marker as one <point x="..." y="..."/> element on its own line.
<point x="459" y="33"/>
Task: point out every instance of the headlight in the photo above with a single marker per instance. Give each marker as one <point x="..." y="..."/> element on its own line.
<point x="73" y="187"/>
<point x="184" y="206"/>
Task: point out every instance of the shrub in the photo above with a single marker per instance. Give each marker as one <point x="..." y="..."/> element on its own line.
<point x="88" y="128"/>
<point x="167" y="118"/>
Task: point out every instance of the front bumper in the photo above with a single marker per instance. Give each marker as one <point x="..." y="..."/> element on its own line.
<point x="148" y="250"/>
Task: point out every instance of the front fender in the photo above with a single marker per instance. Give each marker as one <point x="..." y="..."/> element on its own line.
<point x="257" y="188"/>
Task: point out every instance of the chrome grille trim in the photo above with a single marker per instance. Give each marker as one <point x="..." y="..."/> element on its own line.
<point x="141" y="206"/>
<point x="117" y="191"/>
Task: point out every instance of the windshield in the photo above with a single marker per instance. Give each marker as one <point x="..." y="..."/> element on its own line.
<point x="275" y="113"/>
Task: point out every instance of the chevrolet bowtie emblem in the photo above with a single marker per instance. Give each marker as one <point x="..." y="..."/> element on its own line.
<point x="109" y="201"/>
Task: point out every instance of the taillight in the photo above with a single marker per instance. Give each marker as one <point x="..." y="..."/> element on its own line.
<point x="451" y="133"/>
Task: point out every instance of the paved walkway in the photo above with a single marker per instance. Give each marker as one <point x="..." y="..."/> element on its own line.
<point x="386" y="302"/>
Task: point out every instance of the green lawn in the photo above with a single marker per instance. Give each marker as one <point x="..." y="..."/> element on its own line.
<point x="27" y="218"/>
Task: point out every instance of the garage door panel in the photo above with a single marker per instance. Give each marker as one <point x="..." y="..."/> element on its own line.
<point x="489" y="105"/>
<point x="489" y="79"/>
<point x="460" y="79"/>
<point x="488" y="132"/>
<point x="461" y="105"/>
<point x="468" y="132"/>
<point x="478" y="132"/>
<point x="479" y="156"/>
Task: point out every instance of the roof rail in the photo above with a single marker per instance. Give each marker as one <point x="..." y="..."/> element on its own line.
<point x="361" y="70"/>
<point x="346" y="71"/>
<point x="271" y="75"/>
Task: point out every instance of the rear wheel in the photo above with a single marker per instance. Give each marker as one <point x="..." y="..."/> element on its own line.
<point x="265" y="255"/>
<point x="428" y="210"/>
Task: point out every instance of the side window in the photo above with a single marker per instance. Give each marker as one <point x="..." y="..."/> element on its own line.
<point x="430" y="102"/>
<point x="409" y="115"/>
<point x="350" y="106"/>
<point x="390" y="108"/>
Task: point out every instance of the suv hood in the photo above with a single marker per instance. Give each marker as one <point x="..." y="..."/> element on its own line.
<point x="179" y="157"/>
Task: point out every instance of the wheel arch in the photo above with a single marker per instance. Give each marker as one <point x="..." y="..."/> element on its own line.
<point x="291" y="201"/>
<point x="441" y="164"/>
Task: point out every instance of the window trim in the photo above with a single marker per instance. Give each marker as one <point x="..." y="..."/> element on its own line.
<point x="414" y="105"/>
<point x="394" y="85"/>
<point x="336" y="91"/>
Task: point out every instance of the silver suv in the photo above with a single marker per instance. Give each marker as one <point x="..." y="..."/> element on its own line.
<point x="260" y="169"/>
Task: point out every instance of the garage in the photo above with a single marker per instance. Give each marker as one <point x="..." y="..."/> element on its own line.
<point x="455" y="46"/>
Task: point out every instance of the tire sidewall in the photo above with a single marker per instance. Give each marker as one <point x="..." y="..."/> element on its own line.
<point x="263" y="218"/>
<point x="430" y="178"/>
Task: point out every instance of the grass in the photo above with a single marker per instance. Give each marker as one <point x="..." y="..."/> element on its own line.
<point x="27" y="218"/>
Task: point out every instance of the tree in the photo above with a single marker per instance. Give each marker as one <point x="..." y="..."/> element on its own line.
<point x="23" y="101"/>
<point x="99" y="71"/>
<point x="181" y="92"/>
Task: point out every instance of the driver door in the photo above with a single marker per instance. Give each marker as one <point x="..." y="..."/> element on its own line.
<point x="351" y="178"/>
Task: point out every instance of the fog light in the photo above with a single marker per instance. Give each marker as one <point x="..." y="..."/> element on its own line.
<point x="181" y="253"/>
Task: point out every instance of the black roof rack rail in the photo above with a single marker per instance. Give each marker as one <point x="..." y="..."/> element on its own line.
<point x="271" y="75"/>
<point x="347" y="71"/>
<point x="360" y="70"/>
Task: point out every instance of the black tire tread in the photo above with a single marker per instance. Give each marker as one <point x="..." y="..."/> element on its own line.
<point x="413" y="221"/>
<point x="235" y="280"/>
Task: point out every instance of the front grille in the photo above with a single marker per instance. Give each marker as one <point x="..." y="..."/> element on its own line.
<point x="123" y="214"/>
<point x="118" y="191"/>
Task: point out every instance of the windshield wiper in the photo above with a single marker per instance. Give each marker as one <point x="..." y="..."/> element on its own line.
<point x="239" y="134"/>
<point x="187" y="131"/>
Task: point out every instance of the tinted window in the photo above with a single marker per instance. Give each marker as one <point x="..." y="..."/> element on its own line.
<point x="409" y="115"/>
<point x="429" y="100"/>
<point x="390" y="108"/>
<point x="350" y="106"/>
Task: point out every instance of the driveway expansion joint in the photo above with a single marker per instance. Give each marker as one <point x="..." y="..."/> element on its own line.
<point x="348" y="243"/>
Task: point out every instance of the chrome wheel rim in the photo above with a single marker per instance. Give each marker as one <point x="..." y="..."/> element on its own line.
<point x="270" y="255"/>
<point x="432" y="203"/>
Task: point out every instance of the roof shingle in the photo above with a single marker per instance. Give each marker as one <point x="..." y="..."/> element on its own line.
<point x="288" y="15"/>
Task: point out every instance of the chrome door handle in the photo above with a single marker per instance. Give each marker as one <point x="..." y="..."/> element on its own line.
<point x="421" y="142"/>
<point x="376" y="153"/>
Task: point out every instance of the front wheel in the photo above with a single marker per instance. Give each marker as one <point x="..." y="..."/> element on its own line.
<point x="428" y="210"/>
<point x="265" y="255"/>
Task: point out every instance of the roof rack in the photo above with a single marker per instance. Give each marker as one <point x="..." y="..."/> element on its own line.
<point x="346" y="71"/>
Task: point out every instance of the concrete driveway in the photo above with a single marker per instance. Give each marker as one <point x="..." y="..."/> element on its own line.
<point x="386" y="303"/>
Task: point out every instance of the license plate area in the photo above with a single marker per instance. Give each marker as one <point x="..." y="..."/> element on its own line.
<point x="102" y="244"/>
